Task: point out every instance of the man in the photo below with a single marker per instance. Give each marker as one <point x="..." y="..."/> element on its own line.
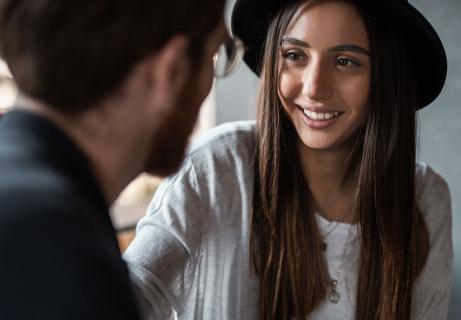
<point x="108" y="89"/>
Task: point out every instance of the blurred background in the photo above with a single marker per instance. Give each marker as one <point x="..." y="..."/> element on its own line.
<point x="234" y="98"/>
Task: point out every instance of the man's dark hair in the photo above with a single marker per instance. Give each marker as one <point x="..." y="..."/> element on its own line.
<point x="72" y="54"/>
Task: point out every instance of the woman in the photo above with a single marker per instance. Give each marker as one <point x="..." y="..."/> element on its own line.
<point x="319" y="210"/>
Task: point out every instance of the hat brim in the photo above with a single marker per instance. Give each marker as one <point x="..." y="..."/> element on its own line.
<point x="251" y="18"/>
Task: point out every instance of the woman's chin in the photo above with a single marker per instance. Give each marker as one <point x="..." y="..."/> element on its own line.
<point x="318" y="144"/>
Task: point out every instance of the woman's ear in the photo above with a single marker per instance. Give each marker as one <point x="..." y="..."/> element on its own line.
<point x="169" y="70"/>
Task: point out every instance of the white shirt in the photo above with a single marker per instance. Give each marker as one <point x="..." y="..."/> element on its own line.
<point x="191" y="251"/>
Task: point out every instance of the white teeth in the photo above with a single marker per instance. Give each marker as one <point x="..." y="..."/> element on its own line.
<point x="321" y="115"/>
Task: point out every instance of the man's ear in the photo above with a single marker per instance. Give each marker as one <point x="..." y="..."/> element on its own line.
<point x="169" y="70"/>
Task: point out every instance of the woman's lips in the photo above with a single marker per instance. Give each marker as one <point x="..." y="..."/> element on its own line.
<point x="319" y="120"/>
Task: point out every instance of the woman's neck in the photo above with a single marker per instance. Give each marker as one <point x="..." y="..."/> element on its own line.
<point x="327" y="174"/>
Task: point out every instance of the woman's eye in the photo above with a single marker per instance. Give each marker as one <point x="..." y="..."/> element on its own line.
<point x="345" y="62"/>
<point x="292" y="55"/>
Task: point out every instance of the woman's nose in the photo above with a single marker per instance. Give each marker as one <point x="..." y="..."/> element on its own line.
<point x="317" y="81"/>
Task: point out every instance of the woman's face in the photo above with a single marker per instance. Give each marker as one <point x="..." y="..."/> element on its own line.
<point x="325" y="73"/>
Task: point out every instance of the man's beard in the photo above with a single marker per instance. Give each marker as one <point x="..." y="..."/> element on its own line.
<point x="171" y="138"/>
<point x="167" y="152"/>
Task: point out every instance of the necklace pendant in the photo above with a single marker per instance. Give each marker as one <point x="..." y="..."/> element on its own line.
<point x="334" y="295"/>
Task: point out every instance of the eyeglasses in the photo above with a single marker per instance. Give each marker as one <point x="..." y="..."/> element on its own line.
<point x="228" y="56"/>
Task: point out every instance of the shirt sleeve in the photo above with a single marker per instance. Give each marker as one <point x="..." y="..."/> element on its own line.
<point x="439" y="303"/>
<point x="163" y="256"/>
<point x="433" y="287"/>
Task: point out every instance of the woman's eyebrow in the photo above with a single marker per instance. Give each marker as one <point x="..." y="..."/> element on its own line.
<point x="295" y="41"/>
<point x="350" y="47"/>
<point x="342" y="47"/>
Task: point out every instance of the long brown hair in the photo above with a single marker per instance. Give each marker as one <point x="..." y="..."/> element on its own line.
<point x="286" y="244"/>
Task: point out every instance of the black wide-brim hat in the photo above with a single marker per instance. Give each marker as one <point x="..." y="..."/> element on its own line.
<point x="251" y="18"/>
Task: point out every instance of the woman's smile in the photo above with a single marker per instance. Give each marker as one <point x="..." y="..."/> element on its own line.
<point x="319" y="117"/>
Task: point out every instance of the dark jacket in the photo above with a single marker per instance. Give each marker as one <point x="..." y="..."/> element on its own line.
<point x="59" y="257"/>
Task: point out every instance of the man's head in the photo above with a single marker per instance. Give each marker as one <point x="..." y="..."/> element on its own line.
<point x="74" y="56"/>
<point x="181" y="106"/>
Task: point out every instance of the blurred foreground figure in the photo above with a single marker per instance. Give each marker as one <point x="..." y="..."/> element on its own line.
<point x="108" y="89"/>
